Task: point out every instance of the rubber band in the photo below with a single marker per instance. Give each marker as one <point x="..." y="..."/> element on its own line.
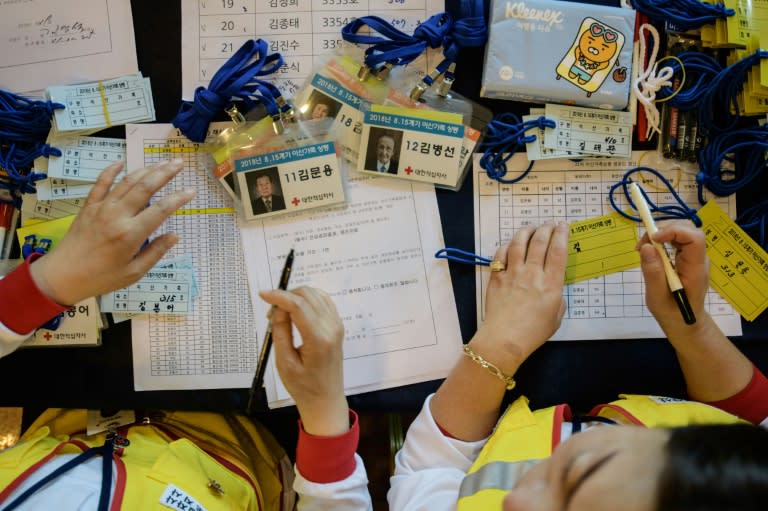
<point x="682" y="80"/>
<point x="104" y="106"/>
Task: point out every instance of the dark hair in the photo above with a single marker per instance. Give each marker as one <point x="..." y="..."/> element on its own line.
<point x="715" y="468"/>
<point x="268" y="176"/>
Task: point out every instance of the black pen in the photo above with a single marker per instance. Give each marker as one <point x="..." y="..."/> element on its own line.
<point x="675" y="286"/>
<point x="261" y="365"/>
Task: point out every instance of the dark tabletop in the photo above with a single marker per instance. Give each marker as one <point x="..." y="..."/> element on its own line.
<point x="581" y="373"/>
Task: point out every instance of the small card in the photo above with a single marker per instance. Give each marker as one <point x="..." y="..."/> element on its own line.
<point x="80" y="326"/>
<point x="84" y="158"/>
<point x="589" y="130"/>
<point x="54" y="230"/>
<point x="32" y="207"/>
<point x="160" y="291"/>
<point x="288" y="180"/>
<point x="55" y="188"/>
<point x="99" y="105"/>
<point x="535" y="150"/>
<point x="601" y="246"/>
<point x="96" y="423"/>
<point x="411" y="143"/>
<point x="739" y="266"/>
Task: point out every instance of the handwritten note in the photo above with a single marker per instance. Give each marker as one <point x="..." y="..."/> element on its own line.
<point x="53" y="42"/>
<point x="739" y="266"/>
<point x="589" y="130"/>
<point x="160" y="291"/>
<point x="601" y="246"/>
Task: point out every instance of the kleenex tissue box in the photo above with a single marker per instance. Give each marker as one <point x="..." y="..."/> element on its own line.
<point x="548" y="51"/>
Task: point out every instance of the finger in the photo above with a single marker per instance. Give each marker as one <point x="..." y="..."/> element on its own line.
<point x="149" y="256"/>
<point x="690" y="243"/>
<point x="104" y="183"/>
<point x="539" y="244"/>
<point x="519" y="246"/>
<point x="295" y="305"/>
<point x="152" y="217"/>
<point x="286" y="356"/>
<point x="318" y="299"/>
<point x="653" y="268"/>
<point x="128" y="182"/>
<point x="557" y="253"/>
<point x="138" y="196"/>
<point x="501" y="255"/>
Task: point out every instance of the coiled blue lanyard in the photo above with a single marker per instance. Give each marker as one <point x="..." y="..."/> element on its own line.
<point x="236" y="80"/>
<point x="684" y="14"/>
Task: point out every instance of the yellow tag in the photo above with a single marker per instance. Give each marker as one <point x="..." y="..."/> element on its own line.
<point x="600" y="246"/>
<point x="54" y="230"/>
<point x="739" y="266"/>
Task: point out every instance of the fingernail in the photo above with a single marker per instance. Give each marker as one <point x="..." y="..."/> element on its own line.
<point x="177" y="163"/>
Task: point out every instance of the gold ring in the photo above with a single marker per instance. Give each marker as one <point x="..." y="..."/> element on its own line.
<point x="497" y="266"/>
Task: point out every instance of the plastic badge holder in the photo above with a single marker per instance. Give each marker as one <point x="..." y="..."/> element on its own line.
<point x="293" y="171"/>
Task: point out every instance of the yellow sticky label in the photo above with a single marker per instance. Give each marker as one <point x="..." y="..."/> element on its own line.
<point x="54" y="230"/>
<point x="600" y="246"/>
<point x="419" y="113"/>
<point x="738" y="265"/>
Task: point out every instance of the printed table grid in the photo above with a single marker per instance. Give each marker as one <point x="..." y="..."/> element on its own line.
<point x="568" y="196"/>
<point x="303" y="31"/>
<point x="219" y="335"/>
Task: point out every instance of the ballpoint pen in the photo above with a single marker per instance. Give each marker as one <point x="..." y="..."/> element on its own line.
<point x="673" y="280"/>
<point x="261" y="365"/>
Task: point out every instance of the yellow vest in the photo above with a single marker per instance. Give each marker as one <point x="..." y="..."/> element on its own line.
<point x="523" y="437"/>
<point x="217" y="461"/>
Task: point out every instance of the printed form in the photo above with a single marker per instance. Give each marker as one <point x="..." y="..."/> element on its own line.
<point x="611" y="306"/>
<point x="303" y="31"/>
<point x="48" y="42"/>
<point x="374" y="256"/>
<point x="216" y="344"/>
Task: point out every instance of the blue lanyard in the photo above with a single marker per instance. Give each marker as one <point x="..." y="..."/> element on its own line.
<point x="505" y="135"/>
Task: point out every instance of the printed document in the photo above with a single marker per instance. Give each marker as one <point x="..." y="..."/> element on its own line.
<point x="50" y="42"/>
<point x="375" y="257"/>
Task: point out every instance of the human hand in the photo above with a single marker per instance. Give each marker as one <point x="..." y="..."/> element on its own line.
<point x="524" y="303"/>
<point x="691" y="263"/>
<point x="102" y="249"/>
<point x="312" y="373"/>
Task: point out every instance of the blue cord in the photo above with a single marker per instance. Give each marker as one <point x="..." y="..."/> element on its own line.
<point x="748" y="144"/>
<point x="700" y="70"/>
<point x="462" y="256"/>
<point x="505" y="134"/>
<point x="684" y="14"/>
<point x="393" y="47"/>
<point x="235" y="80"/>
<point x="756" y="219"/>
<point x="676" y="211"/>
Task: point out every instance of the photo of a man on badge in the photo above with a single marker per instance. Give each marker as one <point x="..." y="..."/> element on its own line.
<point x="264" y="186"/>
<point x="383" y="150"/>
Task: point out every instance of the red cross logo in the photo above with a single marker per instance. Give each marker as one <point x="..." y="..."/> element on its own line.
<point x="47" y="336"/>
<point x="295" y="201"/>
<point x="408" y="170"/>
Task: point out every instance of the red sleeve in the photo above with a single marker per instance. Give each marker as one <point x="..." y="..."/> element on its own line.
<point x="751" y="403"/>
<point x="327" y="459"/>
<point x="25" y="307"/>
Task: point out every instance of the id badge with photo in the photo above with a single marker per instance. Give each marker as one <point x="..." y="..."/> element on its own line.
<point x="288" y="180"/>
<point x="412" y="143"/>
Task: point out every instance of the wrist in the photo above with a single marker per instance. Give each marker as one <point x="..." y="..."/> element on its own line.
<point x="325" y="417"/>
<point x="42" y="273"/>
<point x="508" y="356"/>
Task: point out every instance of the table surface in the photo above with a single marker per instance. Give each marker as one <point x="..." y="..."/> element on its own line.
<point x="582" y="373"/>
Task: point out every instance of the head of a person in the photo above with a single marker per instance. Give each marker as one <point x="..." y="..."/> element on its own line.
<point x="264" y="185"/>
<point x="694" y="468"/>
<point x="321" y="110"/>
<point x="385" y="148"/>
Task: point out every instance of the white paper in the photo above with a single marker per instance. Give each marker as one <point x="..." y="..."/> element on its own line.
<point x="216" y="346"/>
<point x="301" y="30"/>
<point x="374" y="256"/>
<point x="80" y="326"/>
<point x="51" y="42"/>
<point x="609" y="307"/>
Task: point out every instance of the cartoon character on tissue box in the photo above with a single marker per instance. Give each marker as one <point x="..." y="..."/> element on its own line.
<point x="592" y="56"/>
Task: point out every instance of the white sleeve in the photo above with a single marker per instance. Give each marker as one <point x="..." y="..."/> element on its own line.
<point x="350" y="494"/>
<point x="10" y="340"/>
<point x="430" y="466"/>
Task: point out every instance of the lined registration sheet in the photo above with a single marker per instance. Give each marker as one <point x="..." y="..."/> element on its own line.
<point x="301" y="30"/>
<point x="610" y="306"/>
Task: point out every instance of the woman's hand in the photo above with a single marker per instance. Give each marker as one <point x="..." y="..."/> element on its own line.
<point x="524" y="303"/>
<point x="692" y="267"/>
<point x="313" y="373"/>
<point x="102" y="250"/>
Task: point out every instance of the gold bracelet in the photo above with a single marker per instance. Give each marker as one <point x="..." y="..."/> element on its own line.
<point x="508" y="380"/>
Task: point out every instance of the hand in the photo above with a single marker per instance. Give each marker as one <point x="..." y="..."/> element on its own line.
<point x="313" y="373"/>
<point x="692" y="267"/>
<point x="101" y="252"/>
<point x="524" y="303"/>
